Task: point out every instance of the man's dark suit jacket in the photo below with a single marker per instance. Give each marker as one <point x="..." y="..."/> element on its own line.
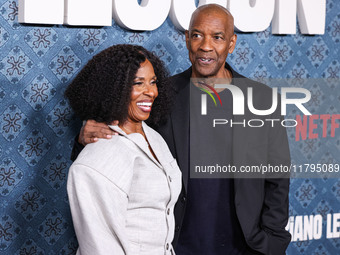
<point x="261" y="204"/>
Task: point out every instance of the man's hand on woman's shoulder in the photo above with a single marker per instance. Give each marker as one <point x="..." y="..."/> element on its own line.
<point x="92" y="131"/>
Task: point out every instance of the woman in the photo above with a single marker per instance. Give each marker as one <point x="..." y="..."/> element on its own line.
<point x="122" y="191"/>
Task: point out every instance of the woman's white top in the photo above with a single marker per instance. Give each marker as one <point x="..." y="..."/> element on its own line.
<point x="122" y="199"/>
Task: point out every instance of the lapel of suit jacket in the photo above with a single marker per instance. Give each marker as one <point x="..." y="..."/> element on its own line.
<point x="180" y="117"/>
<point x="240" y="134"/>
<point x="142" y="144"/>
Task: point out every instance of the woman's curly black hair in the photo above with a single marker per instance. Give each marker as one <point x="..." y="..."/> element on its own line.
<point x="102" y="89"/>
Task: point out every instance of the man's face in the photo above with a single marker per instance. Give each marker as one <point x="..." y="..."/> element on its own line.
<point x="209" y="40"/>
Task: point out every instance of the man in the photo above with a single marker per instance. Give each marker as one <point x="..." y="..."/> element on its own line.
<point x="223" y="216"/>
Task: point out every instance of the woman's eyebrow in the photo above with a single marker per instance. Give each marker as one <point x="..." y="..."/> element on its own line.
<point x="142" y="78"/>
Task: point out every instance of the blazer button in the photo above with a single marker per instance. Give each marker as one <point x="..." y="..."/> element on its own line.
<point x="183" y="199"/>
<point x="167" y="246"/>
<point x="168" y="211"/>
<point x="177" y="228"/>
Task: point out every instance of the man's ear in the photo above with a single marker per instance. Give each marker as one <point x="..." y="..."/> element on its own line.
<point x="232" y="43"/>
<point x="187" y="38"/>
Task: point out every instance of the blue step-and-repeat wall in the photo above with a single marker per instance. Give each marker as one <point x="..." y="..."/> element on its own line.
<point x="37" y="126"/>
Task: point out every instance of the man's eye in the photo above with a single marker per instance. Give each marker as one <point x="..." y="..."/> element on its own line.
<point x="218" y="37"/>
<point x="196" y="35"/>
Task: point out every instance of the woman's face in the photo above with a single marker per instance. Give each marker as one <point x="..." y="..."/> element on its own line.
<point x="144" y="92"/>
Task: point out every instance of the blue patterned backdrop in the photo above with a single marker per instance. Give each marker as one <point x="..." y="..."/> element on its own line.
<point x="37" y="126"/>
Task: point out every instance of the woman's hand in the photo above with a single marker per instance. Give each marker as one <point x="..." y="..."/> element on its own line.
<point x="92" y="131"/>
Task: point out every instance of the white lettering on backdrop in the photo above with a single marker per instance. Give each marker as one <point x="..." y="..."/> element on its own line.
<point x="250" y="15"/>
